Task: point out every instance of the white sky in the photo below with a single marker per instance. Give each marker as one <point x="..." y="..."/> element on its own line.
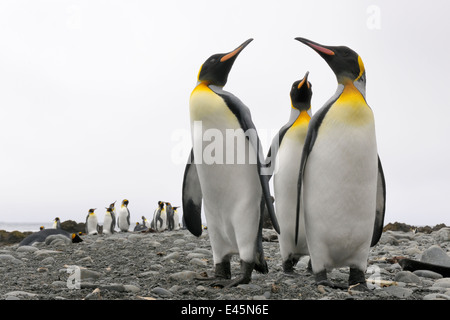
<point x="94" y="94"/>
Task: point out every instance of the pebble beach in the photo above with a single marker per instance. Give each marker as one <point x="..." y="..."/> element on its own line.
<point x="170" y="265"/>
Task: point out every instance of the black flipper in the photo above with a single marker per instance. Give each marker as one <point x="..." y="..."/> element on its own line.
<point x="381" y="206"/>
<point x="192" y="198"/>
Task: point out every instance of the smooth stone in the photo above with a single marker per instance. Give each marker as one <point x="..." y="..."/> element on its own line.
<point x="20" y="293"/>
<point x="442" y="235"/>
<point x="26" y="249"/>
<point x="183" y="275"/>
<point x="135" y="237"/>
<point x="198" y="262"/>
<point x="398" y="292"/>
<point x="436" y="255"/>
<point x="442" y="283"/>
<point x="428" y="274"/>
<point x="203" y="251"/>
<point x="48" y="261"/>
<point x="436" y="296"/>
<point x="154" y="244"/>
<point x="249" y="286"/>
<point x="407" y="277"/>
<point x="172" y="256"/>
<point x="131" y="288"/>
<point x="179" y="241"/>
<point x="193" y="255"/>
<point x="59" y="284"/>
<point x="161" y="291"/>
<point x="149" y="273"/>
<point x="8" y="259"/>
<point x="89" y="274"/>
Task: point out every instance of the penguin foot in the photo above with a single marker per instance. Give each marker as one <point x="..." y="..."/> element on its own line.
<point x="321" y="279"/>
<point x="360" y="287"/>
<point x="243" y="278"/>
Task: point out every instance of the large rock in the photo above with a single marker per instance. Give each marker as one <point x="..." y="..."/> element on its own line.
<point x="436" y="255"/>
<point x="11" y="237"/>
<point x="73" y="226"/>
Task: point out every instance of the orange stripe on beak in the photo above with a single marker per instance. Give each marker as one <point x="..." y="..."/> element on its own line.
<point x="321" y="49"/>
<point x="231" y="54"/>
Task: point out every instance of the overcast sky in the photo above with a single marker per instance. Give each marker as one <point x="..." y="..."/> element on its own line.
<point x="94" y="95"/>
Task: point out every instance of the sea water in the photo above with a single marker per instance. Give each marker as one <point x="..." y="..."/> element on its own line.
<point x="24" y="226"/>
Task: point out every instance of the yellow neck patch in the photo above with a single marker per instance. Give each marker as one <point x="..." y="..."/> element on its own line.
<point x="361" y="68"/>
<point x="302" y="119"/>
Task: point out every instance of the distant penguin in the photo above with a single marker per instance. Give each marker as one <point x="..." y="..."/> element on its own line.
<point x="145" y="222"/>
<point x="113" y="208"/>
<point x="123" y="221"/>
<point x="91" y="222"/>
<point x="109" y="222"/>
<point x="232" y="192"/>
<point x="176" y="218"/>
<point x="159" y="217"/>
<point x="341" y="181"/>
<point x="41" y="235"/>
<point x="41" y="228"/>
<point x="139" y="227"/>
<point x="56" y="223"/>
<point x="286" y="152"/>
<point x="170" y="213"/>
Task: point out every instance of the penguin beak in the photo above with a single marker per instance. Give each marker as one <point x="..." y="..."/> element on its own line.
<point x="305" y="79"/>
<point x="235" y="52"/>
<point x="320" y="49"/>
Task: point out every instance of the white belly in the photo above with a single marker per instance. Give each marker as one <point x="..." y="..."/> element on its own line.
<point x="107" y="221"/>
<point x="122" y="219"/>
<point x="228" y="177"/>
<point x="340" y="193"/>
<point x="92" y="224"/>
<point x="285" y="190"/>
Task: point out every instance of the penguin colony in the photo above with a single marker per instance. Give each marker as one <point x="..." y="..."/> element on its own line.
<point x="327" y="176"/>
<point x="328" y="181"/>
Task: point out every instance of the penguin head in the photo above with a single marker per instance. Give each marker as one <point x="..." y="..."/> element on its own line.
<point x="76" y="238"/>
<point x="346" y="64"/>
<point x="109" y="210"/>
<point x="56" y="219"/>
<point x="301" y="93"/>
<point x="91" y="211"/>
<point x="216" y="68"/>
<point x="125" y="202"/>
<point x="112" y="205"/>
<point x="161" y="204"/>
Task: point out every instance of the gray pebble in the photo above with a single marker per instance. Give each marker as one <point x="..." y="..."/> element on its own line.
<point x="436" y="255"/>
<point x="407" y="277"/>
<point x="428" y="274"/>
<point x="442" y="283"/>
<point x="8" y="259"/>
<point x="161" y="292"/>
<point x="26" y="249"/>
<point x="436" y="296"/>
<point x="398" y="292"/>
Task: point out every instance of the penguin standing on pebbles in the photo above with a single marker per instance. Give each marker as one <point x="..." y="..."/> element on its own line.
<point x="232" y="191"/>
<point x="340" y="177"/>
<point x="91" y="223"/>
<point x="109" y="222"/>
<point x="286" y="152"/>
<point x="123" y="220"/>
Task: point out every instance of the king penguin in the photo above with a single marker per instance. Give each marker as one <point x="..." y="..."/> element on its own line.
<point x="286" y="150"/>
<point x="176" y="218"/>
<point x="170" y="217"/>
<point x="235" y="193"/>
<point x="91" y="222"/>
<point x="57" y="223"/>
<point x="159" y="217"/>
<point x="109" y="222"/>
<point x="340" y="174"/>
<point x="123" y="220"/>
